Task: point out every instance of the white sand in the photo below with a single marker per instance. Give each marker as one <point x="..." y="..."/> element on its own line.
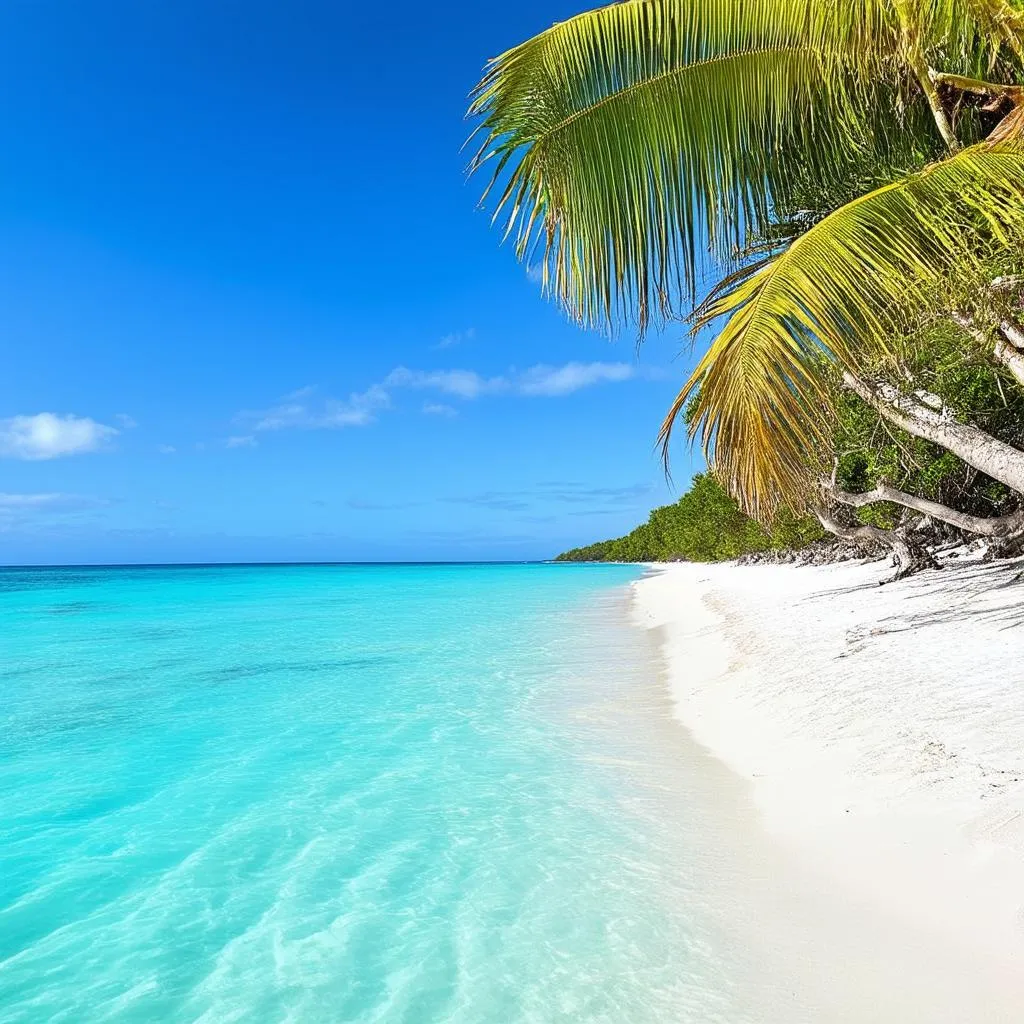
<point x="882" y="734"/>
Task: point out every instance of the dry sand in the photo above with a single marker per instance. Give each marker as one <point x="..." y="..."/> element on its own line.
<point x="881" y="734"/>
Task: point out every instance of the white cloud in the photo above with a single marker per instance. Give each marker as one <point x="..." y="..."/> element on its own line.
<point x="294" y="411"/>
<point x="358" y="410"/>
<point x="461" y="383"/>
<point x="22" y="501"/>
<point x="298" y="410"/>
<point x="456" y="338"/>
<point x="540" y="380"/>
<point x="49" y="436"/>
<point x="126" y="421"/>
<point x="439" y="409"/>
<point x="552" y="381"/>
<point x="248" y="441"/>
<point x="166" y="449"/>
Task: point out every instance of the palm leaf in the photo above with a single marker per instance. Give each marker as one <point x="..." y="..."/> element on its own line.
<point x="841" y="292"/>
<point x="965" y="30"/>
<point x="627" y="140"/>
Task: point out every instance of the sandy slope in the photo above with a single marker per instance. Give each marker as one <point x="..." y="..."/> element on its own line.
<point x="882" y="732"/>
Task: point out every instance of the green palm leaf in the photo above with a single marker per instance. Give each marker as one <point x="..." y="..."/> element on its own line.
<point x="841" y="292"/>
<point x="627" y="140"/>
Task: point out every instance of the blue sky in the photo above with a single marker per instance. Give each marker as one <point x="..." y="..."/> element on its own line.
<point x="251" y="311"/>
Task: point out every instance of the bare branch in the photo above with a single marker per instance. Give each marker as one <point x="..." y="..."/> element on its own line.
<point x="1009" y="343"/>
<point x="1007" y="284"/>
<point x="910" y="556"/>
<point x="976" y="86"/>
<point x="997" y="527"/>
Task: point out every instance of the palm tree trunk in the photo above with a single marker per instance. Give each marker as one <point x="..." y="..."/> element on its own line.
<point x="932" y="422"/>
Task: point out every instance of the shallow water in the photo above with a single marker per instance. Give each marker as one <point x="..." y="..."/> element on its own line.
<point x="341" y="794"/>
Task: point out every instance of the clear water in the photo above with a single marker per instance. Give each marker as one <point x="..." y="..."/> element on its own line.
<point x="336" y="794"/>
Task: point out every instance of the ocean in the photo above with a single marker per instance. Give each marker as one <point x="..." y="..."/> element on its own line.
<point x="342" y="793"/>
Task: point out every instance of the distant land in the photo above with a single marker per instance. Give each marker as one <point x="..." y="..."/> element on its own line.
<point x="704" y="525"/>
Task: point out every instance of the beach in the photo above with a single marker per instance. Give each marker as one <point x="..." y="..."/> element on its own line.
<point x="880" y="734"/>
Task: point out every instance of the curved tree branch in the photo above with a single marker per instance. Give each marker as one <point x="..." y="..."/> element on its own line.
<point x="910" y="556"/>
<point x="999" y="527"/>
<point x="976" y="86"/>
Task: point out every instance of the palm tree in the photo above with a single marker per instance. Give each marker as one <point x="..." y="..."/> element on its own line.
<point x="628" y="141"/>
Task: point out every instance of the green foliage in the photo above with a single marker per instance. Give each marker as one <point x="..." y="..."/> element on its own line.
<point x="868" y="450"/>
<point x="705" y="525"/>
<point x="844" y="291"/>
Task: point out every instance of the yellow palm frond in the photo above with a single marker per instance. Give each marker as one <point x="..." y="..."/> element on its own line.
<point x="840" y="293"/>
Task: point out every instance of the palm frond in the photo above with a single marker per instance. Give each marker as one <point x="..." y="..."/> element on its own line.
<point x="627" y="140"/>
<point x="840" y="293"/>
<point x="979" y="31"/>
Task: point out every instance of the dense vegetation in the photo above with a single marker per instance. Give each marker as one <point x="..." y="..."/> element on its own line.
<point x="705" y="525"/>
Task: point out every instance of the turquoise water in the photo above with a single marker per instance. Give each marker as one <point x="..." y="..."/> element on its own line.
<point x="334" y="794"/>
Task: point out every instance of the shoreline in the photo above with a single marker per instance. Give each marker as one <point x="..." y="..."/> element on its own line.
<point x="880" y="733"/>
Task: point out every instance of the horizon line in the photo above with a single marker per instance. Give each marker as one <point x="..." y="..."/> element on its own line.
<point x="272" y="564"/>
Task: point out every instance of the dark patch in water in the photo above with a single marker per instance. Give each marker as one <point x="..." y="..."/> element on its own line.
<point x="156" y="633"/>
<point x="27" y="671"/>
<point x="75" y="608"/>
<point x="14" y="580"/>
<point x="232" y="672"/>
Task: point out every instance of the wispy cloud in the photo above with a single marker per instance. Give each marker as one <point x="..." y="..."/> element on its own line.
<point x="459" y="383"/>
<point x="583" y="494"/>
<point x="21" y="501"/>
<point x="494" y="500"/>
<point x="241" y="441"/>
<point x="166" y="449"/>
<point x="126" y="421"/>
<point x="439" y="409"/>
<point x="17" y="510"/>
<point x="301" y="410"/>
<point x="588" y="513"/>
<point x="553" y="381"/>
<point x="360" y="505"/>
<point x="538" y="381"/>
<point x="598" y="500"/>
<point x="48" y="435"/>
<point x="456" y="338"/>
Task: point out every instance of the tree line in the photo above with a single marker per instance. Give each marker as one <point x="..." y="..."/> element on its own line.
<point x="705" y="525"/>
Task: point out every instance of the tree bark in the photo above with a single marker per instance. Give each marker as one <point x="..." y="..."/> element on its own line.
<point x="977" y="86"/>
<point x="932" y="422"/>
<point x="996" y="527"/>
<point x="924" y="77"/>
<point x="910" y="557"/>
<point x="1009" y="347"/>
